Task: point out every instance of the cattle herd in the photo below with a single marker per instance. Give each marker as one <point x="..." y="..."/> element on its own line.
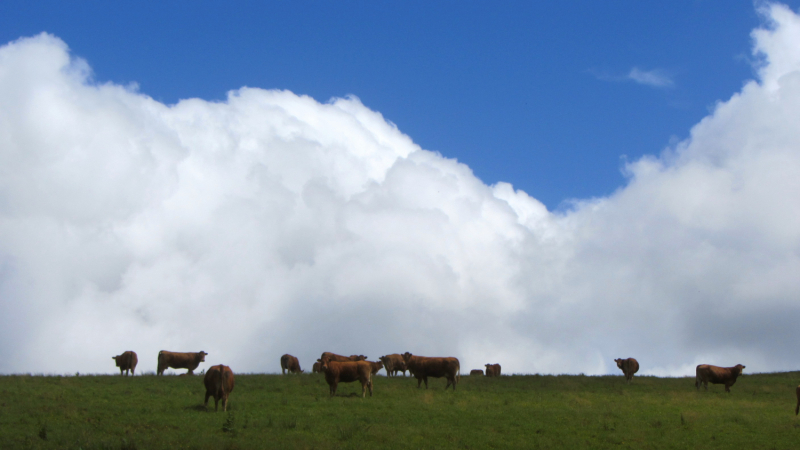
<point x="219" y="379"/>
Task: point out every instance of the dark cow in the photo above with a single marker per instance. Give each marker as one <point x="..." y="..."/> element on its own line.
<point x="797" y="408"/>
<point x="476" y="372"/>
<point x="423" y="367"/>
<point x="126" y="361"/>
<point x="290" y="363"/>
<point x="393" y="363"/>
<point x="492" y="370"/>
<point x="317" y="367"/>
<point x="178" y="360"/>
<point x="219" y="384"/>
<point x="347" y="372"/>
<point x="629" y="367"/>
<point x="375" y="366"/>
<point x="340" y="358"/>
<point x="717" y="375"/>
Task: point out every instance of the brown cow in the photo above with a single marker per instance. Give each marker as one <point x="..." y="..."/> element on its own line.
<point x="340" y="358"/>
<point x="423" y="367"/>
<point x="375" y="366"/>
<point x="126" y="361"/>
<point x="393" y="363"/>
<point x="317" y="367"/>
<point x="629" y="367"/>
<point x="290" y="363"/>
<point x="178" y="360"/>
<point x="347" y="372"/>
<point x="492" y="370"/>
<point x="476" y="372"/>
<point x="706" y="373"/>
<point x="219" y="384"/>
<point x="797" y="408"/>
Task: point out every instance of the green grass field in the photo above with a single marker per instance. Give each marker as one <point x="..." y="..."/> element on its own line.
<point x="295" y="411"/>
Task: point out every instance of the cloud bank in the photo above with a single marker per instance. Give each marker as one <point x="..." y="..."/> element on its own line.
<point x="271" y="223"/>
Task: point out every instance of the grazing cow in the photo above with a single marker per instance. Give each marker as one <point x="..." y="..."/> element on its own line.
<point x="797" y="408"/>
<point x="375" y="366"/>
<point x="317" y="367"/>
<point x="290" y="363"/>
<point x="423" y="367"/>
<point x="178" y="360"/>
<point x="340" y="358"/>
<point x="219" y="384"/>
<point x="126" y="361"/>
<point x="476" y="372"/>
<point x="393" y="363"/>
<point x="629" y="367"/>
<point x="706" y="373"/>
<point x="347" y="372"/>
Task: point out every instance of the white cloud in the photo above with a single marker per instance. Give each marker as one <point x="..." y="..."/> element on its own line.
<point x="653" y="78"/>
<point x="271" y="223"/>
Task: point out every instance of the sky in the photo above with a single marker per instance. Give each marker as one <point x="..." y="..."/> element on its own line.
<point x="548" y="187"/>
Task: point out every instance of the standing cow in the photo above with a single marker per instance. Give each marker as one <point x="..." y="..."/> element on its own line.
<point x="178" y="360"/>
<point x="706" y="373"/>
<point x="629" y="367"/>
<point x="393" y="363"/>
<point x="340" y="358"/>
<point x="290" y="363"/>
<point x="317" y="367"/>
<point x="126" y="361"/>
<point x="347" y="372"/>
<point x="492" y="370"/>
<point x="797" y="408"/>
<point x="423" y="367"/>
<point x="375" y="366"/>
<point x="219" y="384"/>
<point x="476" y="372"/>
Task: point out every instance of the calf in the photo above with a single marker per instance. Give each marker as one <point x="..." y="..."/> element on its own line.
<point x="219" y="384"/>
<point x="393" y="363"/>
<point x="706" y="373"/>
<point x="347" y="372"/>
<point x="317" y="367"/>
<point x="375" y="366"/>
<point x="492" y="370"/>
<point x="629" y="367"/>
<point x="476" y="372"/>
<point x="423" y="367"/>
<point x="290" y="363"/>
<point x="178" y="360"/>
<point x="126" y="362"/>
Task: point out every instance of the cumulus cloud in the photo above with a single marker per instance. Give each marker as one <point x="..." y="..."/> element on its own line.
<point x="271" y="223"/>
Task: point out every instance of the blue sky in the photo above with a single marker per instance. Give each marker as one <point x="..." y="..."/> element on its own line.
<point x="128" y="213"/>
<point x="538" y="94"/>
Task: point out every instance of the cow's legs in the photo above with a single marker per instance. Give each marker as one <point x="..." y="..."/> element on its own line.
<point x="370" y="387"/>
<point x="419" y="383"/>
<point x="205" y="403"/>
<point x="190" y="372"/>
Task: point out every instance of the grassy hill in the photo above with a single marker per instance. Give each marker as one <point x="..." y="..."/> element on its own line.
<point x="295" y="411"/>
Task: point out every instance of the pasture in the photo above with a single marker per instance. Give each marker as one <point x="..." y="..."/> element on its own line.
<point x="295" y="411"/>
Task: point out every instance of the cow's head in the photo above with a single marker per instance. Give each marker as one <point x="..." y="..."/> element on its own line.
<point x="406" y="356"/>
<point x="202" y="356"/>
<point x="115" y="359"/>
<point x="619" y="362"/>
<point x="737" y="369"/>
<point x="323" y="364"/>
